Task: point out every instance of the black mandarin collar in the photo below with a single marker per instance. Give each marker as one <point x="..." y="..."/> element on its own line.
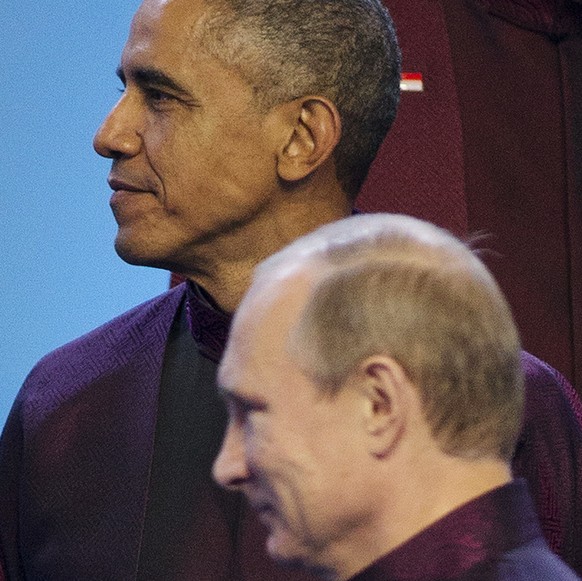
<point x="208" y="324"/>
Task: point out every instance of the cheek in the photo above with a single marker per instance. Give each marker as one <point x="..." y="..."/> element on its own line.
<point x="243" y="157"/>
<point x="208" y="174"/>
<point x="228" y="169"/>
<point x="172" y="149"/>
<point x="269" y="451"/>
<point x="288" y="467"/>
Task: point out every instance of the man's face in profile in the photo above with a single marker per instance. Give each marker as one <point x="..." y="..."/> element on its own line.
<point x="191" y="156"/>
<point x="290" y="447"/>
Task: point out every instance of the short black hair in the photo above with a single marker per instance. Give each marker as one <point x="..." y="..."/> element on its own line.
<point x="345" y="50"/>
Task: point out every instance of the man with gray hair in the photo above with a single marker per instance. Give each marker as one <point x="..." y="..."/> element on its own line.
<point x="375" y="397"/>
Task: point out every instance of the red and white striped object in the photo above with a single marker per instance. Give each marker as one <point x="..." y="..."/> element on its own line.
<point x="411" y="82"/>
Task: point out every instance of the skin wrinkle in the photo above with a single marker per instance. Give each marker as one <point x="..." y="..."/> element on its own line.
<point x="160" y="174"/>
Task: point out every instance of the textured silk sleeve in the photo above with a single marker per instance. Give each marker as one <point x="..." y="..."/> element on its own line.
<point x="549" y="456"/>
<point x="10" y="455"/>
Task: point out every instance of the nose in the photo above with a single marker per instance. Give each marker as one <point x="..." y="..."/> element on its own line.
<point x="119" y="134"/>
<point x="230" y="468"/>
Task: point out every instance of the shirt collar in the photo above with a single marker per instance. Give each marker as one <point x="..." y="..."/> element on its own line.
<point x="208" y="324"/>
<point x="477" y="532"/>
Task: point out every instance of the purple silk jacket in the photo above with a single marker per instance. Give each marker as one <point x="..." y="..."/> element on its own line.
<point x="76" y="452"/>
<point x="494" y="537"/>
<point x="75" y="459"/>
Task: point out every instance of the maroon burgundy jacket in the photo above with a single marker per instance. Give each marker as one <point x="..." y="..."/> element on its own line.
<point x="494" y="145"/>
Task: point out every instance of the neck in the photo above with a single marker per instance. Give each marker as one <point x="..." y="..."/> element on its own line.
<point x="224" y="268"/>
<point x="418" y="500"/>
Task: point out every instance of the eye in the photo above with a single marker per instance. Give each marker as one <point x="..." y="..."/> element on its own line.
<point x="241" y="410"/>
<point x="158" y="98"/>
<point x="244" y="409"/>
<point x="158" y="95"/>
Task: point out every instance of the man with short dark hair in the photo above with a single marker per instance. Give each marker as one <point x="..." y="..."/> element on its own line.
<point x="375" y="398"/>
<point x="243" y="125"/>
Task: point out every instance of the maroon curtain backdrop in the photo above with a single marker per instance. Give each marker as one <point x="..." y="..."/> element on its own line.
<point x="494" y="145"/>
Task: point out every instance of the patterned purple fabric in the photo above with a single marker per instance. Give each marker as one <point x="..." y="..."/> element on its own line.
<point x="75" y="456"/>
<point x="494" y="537"/>
<point x="75" y="460"/>
<point x="76" y="450"/>
<point x="549" y="456"/>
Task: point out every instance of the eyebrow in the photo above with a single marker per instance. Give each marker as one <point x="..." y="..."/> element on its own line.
<point x="154" y="77"/>
<point x="241" y="401"/>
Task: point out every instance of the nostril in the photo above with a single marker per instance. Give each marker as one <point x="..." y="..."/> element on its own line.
<point x="236" y="483"/>
<point x="119" y="135"/>
<point x="228" y="472"/>
<point x="115" y="146"/>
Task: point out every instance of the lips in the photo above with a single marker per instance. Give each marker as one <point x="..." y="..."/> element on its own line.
<point x="265" y="510"/>
<point x="118" y="185"/>
<point x="130" y="199"/>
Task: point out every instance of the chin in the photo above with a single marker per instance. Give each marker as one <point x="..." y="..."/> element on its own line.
<point x="137" y="253"/>
<point x="297" y="561"/>
<point x="286" y="552"/>
<point x="129" y="255"/>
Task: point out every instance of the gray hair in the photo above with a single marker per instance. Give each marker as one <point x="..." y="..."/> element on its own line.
<point x="394" y="285"/>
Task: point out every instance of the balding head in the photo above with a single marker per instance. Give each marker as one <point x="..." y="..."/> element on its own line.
<point x="373" y="362"/>
<point x="394" y="285"/>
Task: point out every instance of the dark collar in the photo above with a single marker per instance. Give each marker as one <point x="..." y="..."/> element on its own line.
<point x="208" y="324"/>
<point x="476" y="533"/>
<point x="556" y="18"/>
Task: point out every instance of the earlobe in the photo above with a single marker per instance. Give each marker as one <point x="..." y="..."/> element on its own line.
<point x="314" y="134"/>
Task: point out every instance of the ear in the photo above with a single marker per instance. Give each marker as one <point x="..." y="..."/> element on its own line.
<point x="387" y="400"/>
<point x="313" y="132"/>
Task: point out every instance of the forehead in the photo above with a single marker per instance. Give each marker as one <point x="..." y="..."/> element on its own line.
<point x="256" y="353"/>
<point x="169" y="16"/>
<point x="165" y="31"/>
<point x="164" y="43"/>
